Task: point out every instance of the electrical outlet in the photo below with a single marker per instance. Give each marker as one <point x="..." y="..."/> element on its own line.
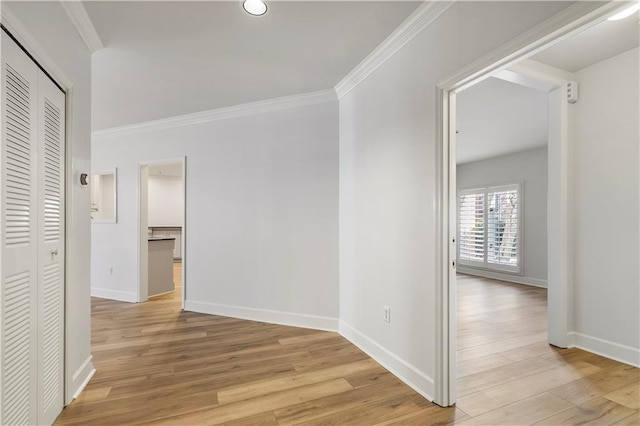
<point x="387" y="314"/>
<point x="110" y="270"/>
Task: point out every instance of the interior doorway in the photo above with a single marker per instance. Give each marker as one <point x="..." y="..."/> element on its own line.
<point x="561" y="92"/>
<point x="553" y="85"/>
<point x="502" y="212"/>
<point x="162" y="229"/>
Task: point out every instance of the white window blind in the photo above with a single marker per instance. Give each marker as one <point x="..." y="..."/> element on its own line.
<point x="471" y="227"/>
<point x="489" y="228"/>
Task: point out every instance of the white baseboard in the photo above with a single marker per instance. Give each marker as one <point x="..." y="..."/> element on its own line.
<point x="409" y="374"/>
<point x="518" y="279"/>
<point x="605" y="348"/>
<point x="123" y="296"/>
<point x="80" y="379"/>
<point x="264" y="315"/>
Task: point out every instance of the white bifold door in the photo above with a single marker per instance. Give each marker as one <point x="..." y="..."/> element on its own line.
<point x="32" y="251"/>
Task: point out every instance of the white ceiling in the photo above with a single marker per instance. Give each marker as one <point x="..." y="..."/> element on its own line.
<point x="168" y="58"/>
<point x="604" y="41"/>
<point x="496" y="117"/>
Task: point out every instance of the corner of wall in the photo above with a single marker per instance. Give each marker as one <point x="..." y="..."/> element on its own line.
<point x="122" y="296"/>
<point x="79" y="380"/>
<point x="405" y="371"/>
<point x="263" y="315"/>
<point x="518" y="279"/>
<point x="606" y="348"/>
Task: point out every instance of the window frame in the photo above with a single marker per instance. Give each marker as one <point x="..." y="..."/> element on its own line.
<point x="485" y="264"/>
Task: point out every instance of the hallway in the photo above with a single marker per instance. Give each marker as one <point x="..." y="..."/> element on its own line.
<point x="158" y="365"/>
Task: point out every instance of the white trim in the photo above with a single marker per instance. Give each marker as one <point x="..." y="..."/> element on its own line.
<point x="84" y="373"/>
<point x="264" y="315"/>
<point x="420" y="19"/>
<point x="605" y="348"/>
<point x="164" y="293"/>
<point x="142" y="287"/>
<point x="183" y="235"/>
<point x="446" y="330"/>
<point x="269" y="105"/>
<point x="104" y="293"/>
<point x="80" y="19"/>
<point x="405" y="371"/>
<point x="518" y="279"/>
<point x="559" y="225"/>
<point x="82" y="367"/>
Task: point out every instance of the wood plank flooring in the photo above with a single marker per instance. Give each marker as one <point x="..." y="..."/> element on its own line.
<point x="508" y="374"/>
<point x="158" y="365"/>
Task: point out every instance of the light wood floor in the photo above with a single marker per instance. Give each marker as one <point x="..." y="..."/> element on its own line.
<point x="508" y="374"/>
<point x="158" y="365"/>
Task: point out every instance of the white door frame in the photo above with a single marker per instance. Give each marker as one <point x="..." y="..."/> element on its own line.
<point x="563" y="25"/>
<point x="143" y="247"/>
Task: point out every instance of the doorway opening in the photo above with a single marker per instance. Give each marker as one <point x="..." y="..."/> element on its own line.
<point x="511" y="63"/>
<point x="502" y="139"/>
<point x="162" y="229"/>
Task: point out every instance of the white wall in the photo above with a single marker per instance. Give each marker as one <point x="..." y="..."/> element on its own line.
<point x="530" y="168"/>
<point x="388" y="183"/>
<point x="261" y="225"/>
<point x="47" y="24"/>
<point x="606" y="205"/>
<point x="165" y="201"/>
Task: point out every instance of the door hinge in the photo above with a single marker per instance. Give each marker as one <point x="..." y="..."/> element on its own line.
<point x="572" y="92"/>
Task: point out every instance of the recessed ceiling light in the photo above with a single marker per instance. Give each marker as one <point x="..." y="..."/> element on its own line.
<point x="255" y="7"/>
<point x="625" y="13"/>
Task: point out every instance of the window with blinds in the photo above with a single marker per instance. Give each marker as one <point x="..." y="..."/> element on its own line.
<point x="489" y="224"/>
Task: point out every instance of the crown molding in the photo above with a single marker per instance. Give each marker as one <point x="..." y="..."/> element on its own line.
<point x="251" y="108"/>
<point x="420" y="19"/>
<point x="80" y="19"/>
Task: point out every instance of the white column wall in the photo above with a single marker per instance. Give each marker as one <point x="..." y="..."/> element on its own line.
<point x="606" y="185"/>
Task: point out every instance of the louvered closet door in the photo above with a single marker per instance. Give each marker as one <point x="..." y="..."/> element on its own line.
<point x="32" y="251"/>
<point x="19" y="267"/>
<point x="50" y="154"/>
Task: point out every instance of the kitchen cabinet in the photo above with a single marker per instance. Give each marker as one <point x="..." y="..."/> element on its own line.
<point x="170" y="232"/>
<point x="160" y="265"/>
